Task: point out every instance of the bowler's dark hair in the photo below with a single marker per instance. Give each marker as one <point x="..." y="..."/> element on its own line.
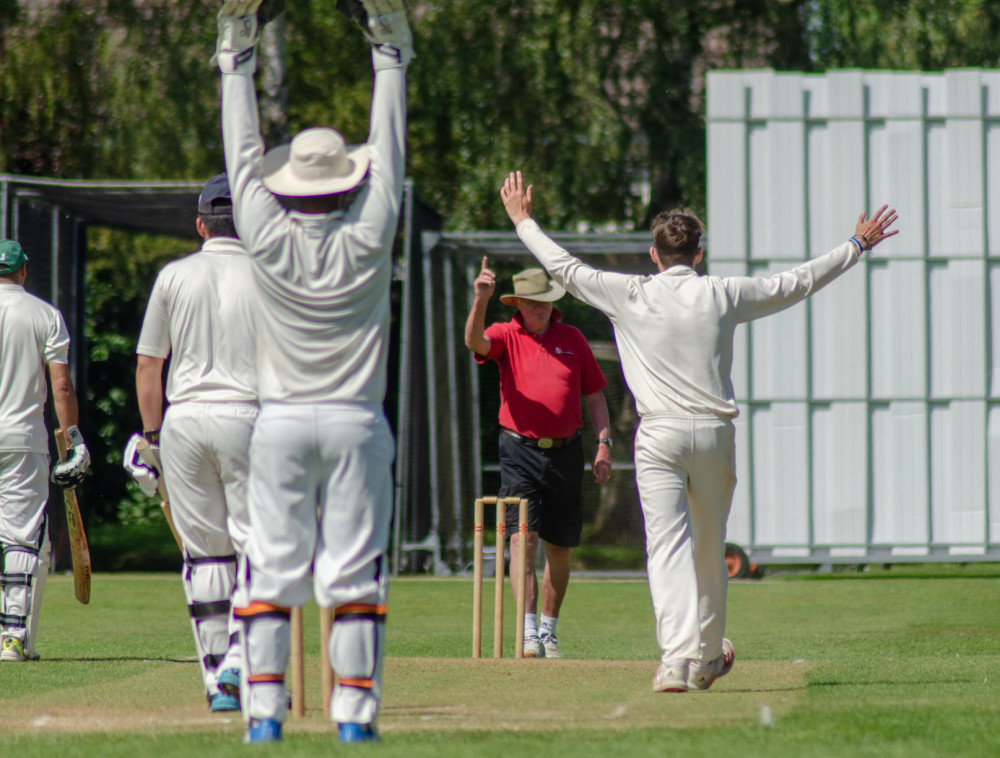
<point x="676" y="236"/>
<point x="219" y="225"/>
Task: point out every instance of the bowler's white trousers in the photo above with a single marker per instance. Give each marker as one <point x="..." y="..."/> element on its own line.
<point x="686" y="473"/>
<point x="320" y="508"/>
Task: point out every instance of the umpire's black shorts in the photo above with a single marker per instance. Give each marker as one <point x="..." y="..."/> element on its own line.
<point x="552" y="480"/>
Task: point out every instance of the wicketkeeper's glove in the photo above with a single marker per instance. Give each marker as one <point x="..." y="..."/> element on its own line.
<point x="385" y="25"/>
<point x="145" y="476"/>
<point x="240" y="22"/>
<point x="70" y="472"/>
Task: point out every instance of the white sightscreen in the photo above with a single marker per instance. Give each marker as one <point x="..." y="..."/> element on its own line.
<point x="870" y="414"/>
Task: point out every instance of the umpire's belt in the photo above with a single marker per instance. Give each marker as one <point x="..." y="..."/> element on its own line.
<point x="545" y="443"/>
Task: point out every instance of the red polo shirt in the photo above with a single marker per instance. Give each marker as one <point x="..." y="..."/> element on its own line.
<point x="542" y="377"/>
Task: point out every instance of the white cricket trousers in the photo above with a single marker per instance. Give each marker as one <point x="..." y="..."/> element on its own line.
<point x="24" y="543"/>
<point x="205" y="449"/>
<point x="320" y="507"/>
<point x="686" y="473"/>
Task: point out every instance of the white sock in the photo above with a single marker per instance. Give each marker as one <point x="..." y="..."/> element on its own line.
<point x="530" y="625"/>
<point x="548" y="625"/>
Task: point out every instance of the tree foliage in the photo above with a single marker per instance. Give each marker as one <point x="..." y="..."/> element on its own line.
<point x="904" y="34"/>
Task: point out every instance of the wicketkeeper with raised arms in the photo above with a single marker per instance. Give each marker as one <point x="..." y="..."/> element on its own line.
<point x="318" y="220"/>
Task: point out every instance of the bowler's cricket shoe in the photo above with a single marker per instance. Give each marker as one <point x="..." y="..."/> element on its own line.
<point x="11" y="650"/>
<point x="262" y="730"/>
<point x="551" y="645"/>
<point x="533" y="648"/>
<point x="671" y="676"/>
<point x="701" y="675"/>
<point x="357" y="733"/>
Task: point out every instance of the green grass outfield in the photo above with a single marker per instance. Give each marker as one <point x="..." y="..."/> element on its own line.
<point x="900" y="662"/>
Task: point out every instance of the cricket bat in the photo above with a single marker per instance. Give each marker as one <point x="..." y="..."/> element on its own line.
<point x="161" y="486"/>
<point x="77" y="536"/>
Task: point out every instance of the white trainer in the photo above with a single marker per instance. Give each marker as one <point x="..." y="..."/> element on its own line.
<point x="533" y="647"/>
<point x="701" y="675"/>
<point x="11" y="650"/>
<point x="671" y="676"/>
<point x="551" y="645"/>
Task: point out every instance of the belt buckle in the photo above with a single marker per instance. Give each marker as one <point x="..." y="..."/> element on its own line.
<point x="545" y="443"/>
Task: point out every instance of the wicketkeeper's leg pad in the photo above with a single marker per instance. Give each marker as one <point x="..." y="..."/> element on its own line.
<point x="266" y="638"/>
<point x="357" y="647"/>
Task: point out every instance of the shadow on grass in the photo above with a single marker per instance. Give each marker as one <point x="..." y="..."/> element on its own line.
<point x="117" y="659"/>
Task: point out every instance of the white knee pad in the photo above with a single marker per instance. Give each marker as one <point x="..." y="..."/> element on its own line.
<point x="18" y="571"/>
<point x="208" y="586"/>
<point x="266" y="638"/>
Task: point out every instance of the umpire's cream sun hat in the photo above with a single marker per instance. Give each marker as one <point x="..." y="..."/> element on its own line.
<point x="533" y="284"/>
<point x="316" y="162"/>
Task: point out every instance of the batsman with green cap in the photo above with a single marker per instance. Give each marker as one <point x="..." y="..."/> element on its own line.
<point x="33" y="335"/>
<point x="12" y="257"/>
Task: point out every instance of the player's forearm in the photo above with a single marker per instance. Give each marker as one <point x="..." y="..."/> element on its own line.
<point x="241" y="139"/>
<point x="475" y="328"/>
<point x="254" y="207"/>
<point x="596" y="288"/>
<point x="63" y="395"/>
<point x="387" y="142"/>
<point x="597" y="407"/>
<point x="149" y="390"/>
<point x="755" y="298"/>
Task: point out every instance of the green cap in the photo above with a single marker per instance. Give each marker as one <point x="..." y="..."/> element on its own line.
<point x="12" y="257"/>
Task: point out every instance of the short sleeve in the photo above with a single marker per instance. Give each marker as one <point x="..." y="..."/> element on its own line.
<point x="154" y="339"/>
<point x="497" y="334"/>
<point x="56" y="349"/>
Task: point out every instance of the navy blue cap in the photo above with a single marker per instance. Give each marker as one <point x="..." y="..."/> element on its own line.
<point x="215" y="199"/>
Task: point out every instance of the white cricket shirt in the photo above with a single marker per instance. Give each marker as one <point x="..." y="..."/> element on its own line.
<point x="675" y="329"/>
<point x="201" y="313"/>
<point x="32" y="335"/>
<point x="323" y="279"/>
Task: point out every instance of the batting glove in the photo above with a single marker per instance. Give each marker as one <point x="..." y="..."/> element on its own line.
<point x="236" y="45"/>
<point x="70" y="472"/>
<point x="145" y="476"/>
<point x="385" y="25"/>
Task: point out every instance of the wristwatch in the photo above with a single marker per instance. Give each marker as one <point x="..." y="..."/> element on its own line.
<point x="605" y="441"/>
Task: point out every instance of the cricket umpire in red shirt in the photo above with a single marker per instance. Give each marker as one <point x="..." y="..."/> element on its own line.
<point x="545" y="366"/>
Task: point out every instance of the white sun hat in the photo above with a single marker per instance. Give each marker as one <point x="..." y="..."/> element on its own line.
<point x="316" y="162"/>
